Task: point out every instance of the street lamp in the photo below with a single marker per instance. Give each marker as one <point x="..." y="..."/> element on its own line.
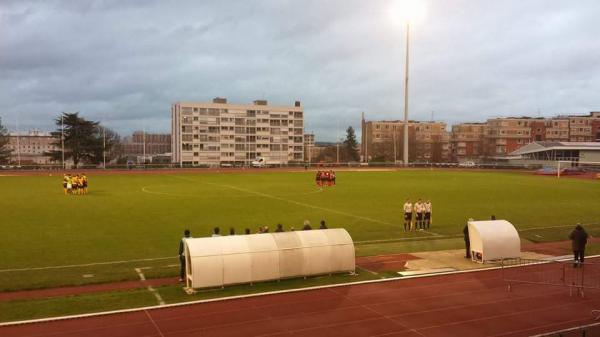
<point x="407" y="11"/>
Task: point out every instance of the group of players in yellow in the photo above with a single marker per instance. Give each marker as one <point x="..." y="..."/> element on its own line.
<point x="75" y="183"/>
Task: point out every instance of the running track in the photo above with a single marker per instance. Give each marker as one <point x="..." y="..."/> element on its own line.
<point x="464" y="304"/>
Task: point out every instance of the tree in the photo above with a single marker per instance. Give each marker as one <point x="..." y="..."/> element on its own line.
<point x="350" y="150"/>
<point x="113" y="145"/>
<point x="83" y="140"/>
<point x="4" y="150"/>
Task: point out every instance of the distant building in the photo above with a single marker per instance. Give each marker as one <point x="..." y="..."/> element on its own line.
<point x="384" y="141"/>
<point x="467" y="141"/>
<point x="547" y="153"/>
<point x="151" y="145"/>
<point x="219" y="133"/>
<point x="309" y="145"/>
<point x="30" y="148"/>
<point x="505" y="135"/>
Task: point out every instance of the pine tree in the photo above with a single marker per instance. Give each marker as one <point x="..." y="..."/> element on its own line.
<point x="351" y="146"/>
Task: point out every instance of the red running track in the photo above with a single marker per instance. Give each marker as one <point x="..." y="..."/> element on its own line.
<point x="465" y="304"/>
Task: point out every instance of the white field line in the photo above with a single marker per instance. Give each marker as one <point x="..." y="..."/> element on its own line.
<point x="268" y="293"/>
<point x="87" y="264"/>
<point x="154" y="323"/>
<point x="550" y="227"/>
<point x="150" y="288"/>
<point x="146" y="189"/>
<point x="302" y="204"/>
<point x="174" y="257"/>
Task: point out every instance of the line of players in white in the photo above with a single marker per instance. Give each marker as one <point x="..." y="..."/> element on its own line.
<point x="422" y="211"/>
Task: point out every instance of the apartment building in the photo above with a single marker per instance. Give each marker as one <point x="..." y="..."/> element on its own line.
<point x="467" y="141"/>
<point x="30" y="148"/>
<point x="384" y="141"/>
<point x="584" y="128"/>
<point x="220" y="133"/>
<point x="505" y="135"/>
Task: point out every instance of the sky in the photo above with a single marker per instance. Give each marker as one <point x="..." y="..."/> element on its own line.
<point x="125" y="62"/>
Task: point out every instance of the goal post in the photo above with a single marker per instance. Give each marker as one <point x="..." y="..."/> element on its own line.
<point x="577" y="168"/>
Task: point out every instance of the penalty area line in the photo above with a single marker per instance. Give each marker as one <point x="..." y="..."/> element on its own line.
<point x="149" y="287"/>
<point x="87" y="264"/>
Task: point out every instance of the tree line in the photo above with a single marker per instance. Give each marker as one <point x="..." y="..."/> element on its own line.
<point x="85" y="141"/>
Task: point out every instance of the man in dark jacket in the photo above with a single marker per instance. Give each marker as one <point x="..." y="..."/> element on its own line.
<point x="579" y="238"/>
<point x="186" y="235"/>
<point x="467" y="241"/>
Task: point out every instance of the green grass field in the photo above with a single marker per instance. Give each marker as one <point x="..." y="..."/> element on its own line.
<point x="128" y="217"/>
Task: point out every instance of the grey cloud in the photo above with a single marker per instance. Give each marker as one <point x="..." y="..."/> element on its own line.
<point x="127" y="61"/>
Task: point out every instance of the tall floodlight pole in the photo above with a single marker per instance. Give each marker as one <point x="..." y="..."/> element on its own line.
<point x="62" y="138"/>
<point x="406" y="95"/>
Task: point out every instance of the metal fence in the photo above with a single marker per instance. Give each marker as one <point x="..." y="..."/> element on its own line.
<point x="590" y="330"/>
<point x="575" y="276"/>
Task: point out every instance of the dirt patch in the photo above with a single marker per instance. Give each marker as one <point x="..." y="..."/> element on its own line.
<point x="381" y="263"/>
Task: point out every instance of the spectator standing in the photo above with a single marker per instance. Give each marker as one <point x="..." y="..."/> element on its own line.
<point x="493" y="217"/>
<point x="247" y="231"/>
<point x="579" y="239"/>
<point x="216" y="232"/>
<point x="407" y="215"/>
<point x="323" y="225"/>
<point x="279" y="228"/>
<point x="467" y="240"/>
<point x="186" y="235"/>
<point x="231" y="231"/>
<point x="306" y="226"/>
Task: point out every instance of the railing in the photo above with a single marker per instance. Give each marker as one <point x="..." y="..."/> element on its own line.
<point x="499" y="166"/>
<point x="575" y="276"/>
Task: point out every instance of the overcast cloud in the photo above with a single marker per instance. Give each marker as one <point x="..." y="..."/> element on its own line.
<point x="126" y="62"/>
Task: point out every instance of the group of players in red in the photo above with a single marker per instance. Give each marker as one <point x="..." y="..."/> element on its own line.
<point x="325" y="178"/>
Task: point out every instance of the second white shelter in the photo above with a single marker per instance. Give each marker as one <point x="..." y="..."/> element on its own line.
<point x="234" y="259"/>
<point x="493" y="240"/>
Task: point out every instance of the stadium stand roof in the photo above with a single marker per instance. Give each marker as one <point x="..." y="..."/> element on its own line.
<point x="548" y="146"/>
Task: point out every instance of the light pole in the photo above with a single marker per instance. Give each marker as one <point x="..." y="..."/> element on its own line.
<point x="408" y="11"/>
<point x="405" y="152"/>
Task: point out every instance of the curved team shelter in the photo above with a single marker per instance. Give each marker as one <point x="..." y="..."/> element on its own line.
<point x="219" y="261"/>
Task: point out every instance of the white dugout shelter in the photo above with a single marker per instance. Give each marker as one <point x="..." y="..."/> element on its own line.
<point x="493" y="240"/>
<point x="234" y="259"/>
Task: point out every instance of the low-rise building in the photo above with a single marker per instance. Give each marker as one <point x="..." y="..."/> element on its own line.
<point x="384" y="141"/>
<point x="31" y="148"/>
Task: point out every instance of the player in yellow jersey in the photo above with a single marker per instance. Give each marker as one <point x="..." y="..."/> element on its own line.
<point x="65" y="182"/>
<point x="75" y="184"/>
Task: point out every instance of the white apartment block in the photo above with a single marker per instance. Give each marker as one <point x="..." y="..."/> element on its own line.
<point x="219" y="133"/>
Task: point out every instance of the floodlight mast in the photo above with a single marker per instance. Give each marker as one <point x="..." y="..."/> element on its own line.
<point x="405" y="152"/>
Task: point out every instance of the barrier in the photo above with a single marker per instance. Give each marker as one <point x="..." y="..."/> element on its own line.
<point x="551" y="273"/>
<point x="235" y="259"/>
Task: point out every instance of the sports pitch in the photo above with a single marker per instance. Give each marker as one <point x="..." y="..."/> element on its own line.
<point x="142" y="216"/>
